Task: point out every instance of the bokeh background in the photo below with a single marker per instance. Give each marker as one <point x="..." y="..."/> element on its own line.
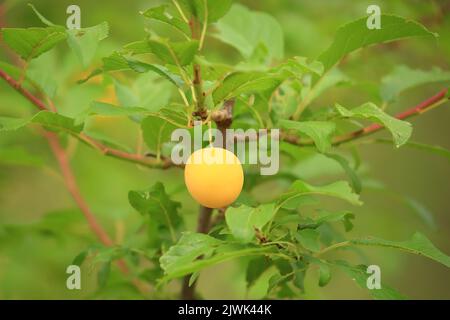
<point x="33" y="259"/>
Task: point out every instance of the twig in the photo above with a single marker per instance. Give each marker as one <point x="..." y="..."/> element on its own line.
<point x="204" y="218"/>
<point x="135" y="158"/>
<point x="223" y="119"/>
<point x="69" y="179"/>
<point x="424" y="106"/>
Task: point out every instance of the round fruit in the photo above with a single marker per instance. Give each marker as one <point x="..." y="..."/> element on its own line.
<point x="214" y="177"/>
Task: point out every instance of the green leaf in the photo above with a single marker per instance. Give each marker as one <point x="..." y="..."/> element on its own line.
<point x="32" y="42"/>
<point x="246" y="30"/>
<point x="19" y="156"/>
<point x="155" y="203"/>
<point x="360" y="275"/>
<point x="157" y="128"/>
<point x="418" y="244"/>
<point x="175" y="53"/>
<point x="344" y="216"/>
<point x="107" y="109"/>
<point x="190" y="247"/>
<point x="309" y="239"/>
<point x="319" y="131"/>
<point x="354" y="179"/>
<point x="339" y="189"/>
<point x="184" y="257"/>
<point x="103" y="274"/>
<point x="324" y="274"/>
<point x="115" y="62"/>
<point x="159" y="13"/>
<point x="302" y="65"/>
<point x="355" y="35"/>
<point x="215" y="8"/>
<point x="245" y="82"/>
<point x="400" y="130"/>
<point x="79" y="259"/>
<point x="84" y="42"/>
<point x="242" y="221"/>
<point x="50" y="120"/>
<point x="142" y="67"/>
<point x="255" y="268"/>
<point x="403" y="78"/>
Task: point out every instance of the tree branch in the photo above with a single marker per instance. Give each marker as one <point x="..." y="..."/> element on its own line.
<point x="424" y="106"/>
<point x="69" y="179"/>
<point x="223" y="119"/>
<point x="204" y="218"/>
<point x="135" y="158"/>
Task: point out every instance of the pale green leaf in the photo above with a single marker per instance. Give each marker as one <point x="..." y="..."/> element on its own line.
<point x="184" y="257"/>
<point x="243" y="221"/>
<point x="356" y="35"/>
<point x="160" y="13"/>
<point x="339" y="189"/>
<point x="400" y="130"/>
<point x="175" y="53"/>
<point x="403" y="78"/>
<point x="84" y="42"/>
<point x="418" y="244"/>
<point x="215" y="8"/>
<point x="32" y="42"/>
<point x="319" y="131"/>
<point x="157" y="204"/>
<point x="50" y="120"/>
<point x="245" y="30"/>
<point x="354" y="179"/>
<point x="309" y="239"/>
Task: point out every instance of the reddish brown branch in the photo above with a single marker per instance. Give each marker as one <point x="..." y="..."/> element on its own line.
<point x="69" y="178"/>
<point x="414" y="111"/>
<point x="16" y="85"/>
<point x="136" y="158"/>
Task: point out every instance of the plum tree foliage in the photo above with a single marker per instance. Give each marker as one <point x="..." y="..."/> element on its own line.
<point x="280" y="239"/>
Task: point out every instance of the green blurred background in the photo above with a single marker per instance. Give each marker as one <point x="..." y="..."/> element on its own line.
<point x="33" y="261"/>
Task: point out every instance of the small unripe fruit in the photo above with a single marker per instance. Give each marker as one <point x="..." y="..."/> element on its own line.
<point x="214" y="177"/>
